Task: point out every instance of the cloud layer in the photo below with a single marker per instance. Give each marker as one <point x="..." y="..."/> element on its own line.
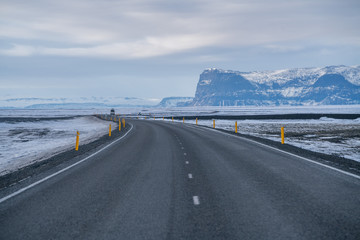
<point x="158" y="48"/>
<point x="143" y="29"/>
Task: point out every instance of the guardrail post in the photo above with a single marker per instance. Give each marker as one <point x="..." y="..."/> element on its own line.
<point x="235" y="126"/>
<point x="196" y="121"/>
<point x="109" y="130"/>
<point x="77" y="141"/>
<point x="213" y="123"/>
<point x="282" y="135"/>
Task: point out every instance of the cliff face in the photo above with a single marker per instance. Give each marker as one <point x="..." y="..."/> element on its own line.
<point x="309" y="86"/>
<point x="175" y="102"/>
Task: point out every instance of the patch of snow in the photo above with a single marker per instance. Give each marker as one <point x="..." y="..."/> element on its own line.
<point x="205" y="82"/>
<point x="292" y="92"/>
<point x="22" y="143"/>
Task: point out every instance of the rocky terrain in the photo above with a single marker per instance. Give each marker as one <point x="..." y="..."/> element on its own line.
<point x="303" y="86"/>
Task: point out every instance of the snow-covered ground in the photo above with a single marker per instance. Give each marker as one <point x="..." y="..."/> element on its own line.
<point x="331" y="136"/>
<point x="62" y="112"/>
<point x="24" y="142"/>
<point x="249" y="110"/>
<point x="184" y="111"/>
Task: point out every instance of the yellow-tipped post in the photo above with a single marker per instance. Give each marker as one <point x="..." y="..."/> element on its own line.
<point x="77" y="141"/>
<point x="123" y="121"/>
<point x="172" y="118"/>
<point x="196" y="121"/>
<point x="183" y="119"/>
<point x="154" y="118"/>
<point x="163" y="118"/>
<point x="235" y="126"/>
<point x="214" y="123"/>
<point x="282" y="135"/>
<point x="109" y="130"/>
<point x="119" y="125"/>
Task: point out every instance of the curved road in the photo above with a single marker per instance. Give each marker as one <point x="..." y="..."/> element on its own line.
<point x="176" y="181"/>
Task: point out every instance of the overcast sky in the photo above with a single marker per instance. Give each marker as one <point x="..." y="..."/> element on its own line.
<point x="158" y="48"/>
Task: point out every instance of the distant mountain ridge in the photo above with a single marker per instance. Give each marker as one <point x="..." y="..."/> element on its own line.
<point x="331" y="85"/>
<point x="175" y="102"/>
<point x="76" y="103"/>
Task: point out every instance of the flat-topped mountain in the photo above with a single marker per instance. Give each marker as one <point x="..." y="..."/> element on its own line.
<point x="302" y="86"/>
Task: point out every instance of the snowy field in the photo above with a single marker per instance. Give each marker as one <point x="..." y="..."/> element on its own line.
<point x="184" y="111"/>
<point x="249" y="110"/>
<point x="24" y="142"/>
<point x="330" y="136"/>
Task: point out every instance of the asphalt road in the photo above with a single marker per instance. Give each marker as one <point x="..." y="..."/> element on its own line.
<point x="174" y="181"/>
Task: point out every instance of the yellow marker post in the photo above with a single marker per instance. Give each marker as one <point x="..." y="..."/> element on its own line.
<point x="154" y="118"/>
<point x="183" y="119"/>
<point x="282" y="135"/>
<point x="172" y="118"/>
<point x="77" y="141"/>
<point x="123" y="121"/>
<point x="109" y="130"/>
<point x="196" y="120"/>
<point x="163" y="118"/>
<point x="235" y="126"/>
<point x="214" y="123"/>
<point x="119" y="125"/>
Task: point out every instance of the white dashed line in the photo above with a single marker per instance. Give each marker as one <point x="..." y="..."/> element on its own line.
<point x="182" y="147"/>
<point x="196" y="200"/>
<point x="186" y="162"/>
<point x="190" y="175"/>
<point x="184" y="154"/>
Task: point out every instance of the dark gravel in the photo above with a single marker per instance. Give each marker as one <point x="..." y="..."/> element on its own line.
<point x="33" y="119"/>
<point x="271" y="116"/>
<point x="63" y="158"/>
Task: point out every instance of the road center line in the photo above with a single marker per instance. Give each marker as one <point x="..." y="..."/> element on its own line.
<point x="184" y="154"/>
<point x="196" y="200"/>
<point x="190" y="175"/>
<point x="186" y="162"/>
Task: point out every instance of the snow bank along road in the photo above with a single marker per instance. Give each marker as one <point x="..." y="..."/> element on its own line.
<point x="176" y="181"/>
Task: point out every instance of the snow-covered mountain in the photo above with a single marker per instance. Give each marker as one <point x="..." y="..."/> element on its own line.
<point x="302" y="86"/>
<point x="76" y="103"/>
<point x="175" y="102"/>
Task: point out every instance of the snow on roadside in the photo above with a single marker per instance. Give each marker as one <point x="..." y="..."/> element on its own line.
<point x="22" y="143"/>
<point x="340" y="137"/>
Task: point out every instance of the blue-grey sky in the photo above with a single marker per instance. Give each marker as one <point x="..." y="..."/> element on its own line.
<point x="158" y="48"/>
